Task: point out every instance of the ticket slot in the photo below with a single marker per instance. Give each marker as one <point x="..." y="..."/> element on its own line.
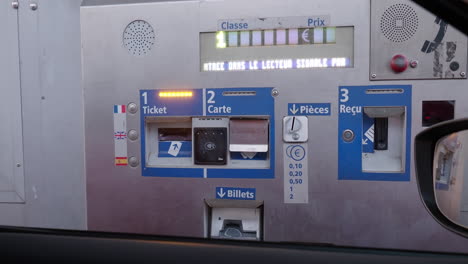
<point x="168" y="141"/>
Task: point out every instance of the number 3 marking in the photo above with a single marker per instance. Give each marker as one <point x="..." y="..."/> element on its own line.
<point x="344" y="95"/>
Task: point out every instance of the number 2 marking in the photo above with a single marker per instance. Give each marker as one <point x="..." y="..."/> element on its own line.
<point x="212" y="95"/>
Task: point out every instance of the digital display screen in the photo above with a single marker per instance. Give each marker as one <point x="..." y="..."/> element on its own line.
<point x="293" y="36"/>
<point x="277" y="49"/>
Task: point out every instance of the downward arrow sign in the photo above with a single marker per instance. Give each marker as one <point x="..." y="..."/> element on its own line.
<point x="294" y="109"/>
<point x="364" y="141"/>
<point x="221" y="193"/>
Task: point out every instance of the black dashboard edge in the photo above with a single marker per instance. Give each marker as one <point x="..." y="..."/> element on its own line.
<point x="20" y="244"/>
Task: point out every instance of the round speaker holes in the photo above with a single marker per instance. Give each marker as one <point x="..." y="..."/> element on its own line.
<point x="139" y="38"/>
<point x="399" y="22"/>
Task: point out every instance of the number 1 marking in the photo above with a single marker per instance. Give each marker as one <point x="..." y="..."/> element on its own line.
<point x="145" y="97"/>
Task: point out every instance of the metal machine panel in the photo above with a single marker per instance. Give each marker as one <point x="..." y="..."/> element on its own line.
<point x="49" y="109"/>
<point x="11" y="141"/>
<point x="372" y="213"/>
<point x="429" y="47"/>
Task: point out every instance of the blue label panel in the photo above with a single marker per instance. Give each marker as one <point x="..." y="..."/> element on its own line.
<point x="227" y="102"/>
<point x="239" y="101"/>
<point x="234" y="193"/>
<point x="309" y="109"/>
<point x="153" y="104"/>
<point x="352" y="100"/>
<point x="175" y="149"/>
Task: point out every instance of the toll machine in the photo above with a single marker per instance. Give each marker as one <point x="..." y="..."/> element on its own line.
<point x="263" y="120"/>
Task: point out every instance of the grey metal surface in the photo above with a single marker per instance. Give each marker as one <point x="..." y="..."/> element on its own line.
<point x="53" y="127"/>
<point x="401" y="27"/>
<point x="11" y="141"/>
<point x="358" y="213"/>
<point x="115" y="2"/>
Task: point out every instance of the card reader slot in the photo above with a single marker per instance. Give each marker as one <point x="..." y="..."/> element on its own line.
<point x="248" y="135"/>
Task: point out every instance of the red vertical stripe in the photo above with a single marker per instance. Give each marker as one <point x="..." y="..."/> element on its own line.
<point x="123" y="108"/>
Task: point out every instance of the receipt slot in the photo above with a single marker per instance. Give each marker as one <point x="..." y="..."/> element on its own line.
<point x="383" y="151"/>
<point x="374" y="132"/>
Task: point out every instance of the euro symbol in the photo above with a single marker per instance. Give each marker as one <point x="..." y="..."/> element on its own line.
<point x="305" y="35"/>
<point x="297" y="153"/>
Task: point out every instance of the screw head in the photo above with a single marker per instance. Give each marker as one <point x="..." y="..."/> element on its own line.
<point x="413" y="63"/>
<point x="133" y="161"/>
<point x="15" y="4"/>
<point x="462" y="74"/>
<point x="295" y="136"/>
<point x="132" y="108"/>
<point x="132" y="134"/>
<point x="373" y="75"/>
<point x="274" y="92"/>
<point x="454" y="65"/>
<point x="18" y="165"/>
<point x="33" y="6"/>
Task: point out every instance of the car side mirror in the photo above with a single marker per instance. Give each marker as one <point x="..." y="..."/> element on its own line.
<point x="441" y="155"/>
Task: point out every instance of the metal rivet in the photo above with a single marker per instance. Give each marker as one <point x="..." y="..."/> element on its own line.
<point x="373" y="75"/>
<point x="43" y="97"/>
<point x="275" y="92"/>
<point x="413" y="63"/>
<point x="133" y="161"/>
<point x="18" y="165"/>
<point x="132" y="108"/>
<point x="33" y="6"/>
<point x="15" y="4"/>
<point x="462" y="74"/>
<point x="132" y="134"/>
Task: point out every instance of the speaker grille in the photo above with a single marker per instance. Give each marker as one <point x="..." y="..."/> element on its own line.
<point x="139" y="37"/>
<point x="399" y="22"/>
